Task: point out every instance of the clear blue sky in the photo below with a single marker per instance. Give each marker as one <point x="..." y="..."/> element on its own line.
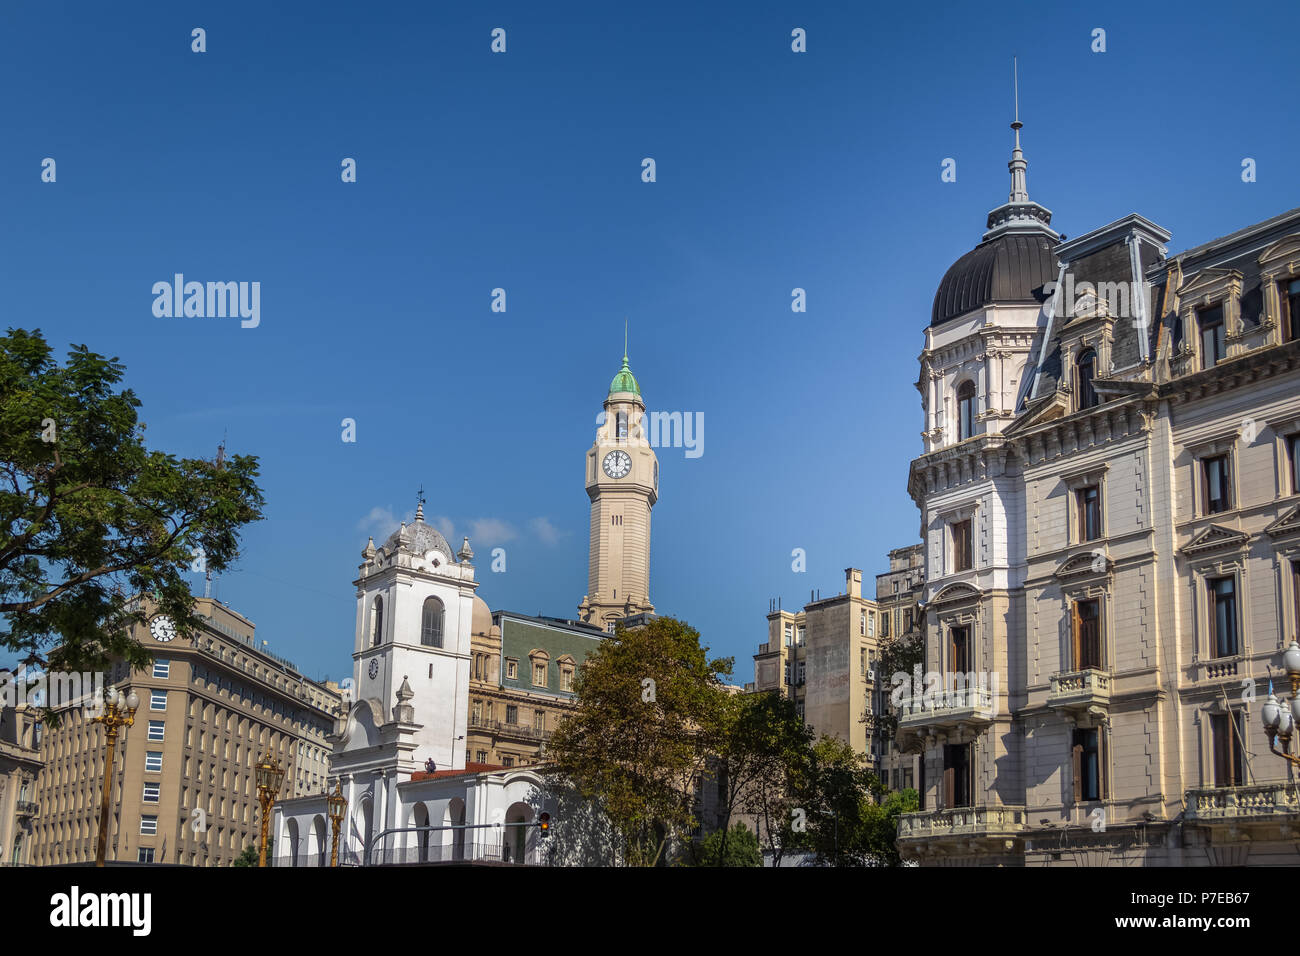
<point x="522" y="171"/>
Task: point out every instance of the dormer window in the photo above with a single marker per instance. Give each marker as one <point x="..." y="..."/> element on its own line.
<point x="1085" y="370"/>
<point x="1290" y="295"/>
<point x="965" y="410"/>
<point x="1209" y="323"/>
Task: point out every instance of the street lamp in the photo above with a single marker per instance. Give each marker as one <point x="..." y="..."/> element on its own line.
<point x="338" y="805"/>
<point x="118" y="712"/>
<point x="1279" y="719"/>
<point x="269" y="775"/>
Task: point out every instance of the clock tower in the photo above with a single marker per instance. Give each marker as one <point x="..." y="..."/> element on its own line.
<point x="623" y="485"/>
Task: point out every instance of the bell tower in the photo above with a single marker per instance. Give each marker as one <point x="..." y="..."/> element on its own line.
<point x="623" y="485"/>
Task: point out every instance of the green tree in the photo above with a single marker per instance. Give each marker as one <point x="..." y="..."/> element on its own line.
<point x="852" y="818"/>
<point x="640" y="736"/>
<point x="91" y="518"/>
<point x="251" y="854"/>
<point x="766" y="752"/>
<point x="737" y="846"/>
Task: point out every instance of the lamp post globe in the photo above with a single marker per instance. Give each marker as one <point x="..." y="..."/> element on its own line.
<point x="1291" y="660"/>
<point x="1270" y="713"/>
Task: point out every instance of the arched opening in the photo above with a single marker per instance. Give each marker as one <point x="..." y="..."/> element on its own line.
<point x="965" y="410"/>
<point x="456" y="837"/>
<point x="431" y="623"/>
<point x="321" y="835"/>
<point x="516" y="842"/>
<point x="1085" y="371"/>
<point x="423" y="836"/>
<point x="293" y="842"/>
<point x="377" y="622"/>
<point x="620" y="420"/>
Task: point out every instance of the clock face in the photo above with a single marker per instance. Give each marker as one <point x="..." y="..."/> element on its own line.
<point x="374" y="667"/>
<point x="162" y="629"/>
<point x="617" y="464"/>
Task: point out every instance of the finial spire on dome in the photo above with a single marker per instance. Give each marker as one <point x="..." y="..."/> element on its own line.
<point x="625" y="341"/>
<point x="1019" y="214"/>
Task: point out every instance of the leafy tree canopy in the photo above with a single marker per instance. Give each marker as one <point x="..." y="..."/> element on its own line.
<point x="91" y="518"/>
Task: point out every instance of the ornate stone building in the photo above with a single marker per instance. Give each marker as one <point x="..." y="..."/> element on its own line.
<point x="1111" y="513"/>
<point x="20" y="765"/>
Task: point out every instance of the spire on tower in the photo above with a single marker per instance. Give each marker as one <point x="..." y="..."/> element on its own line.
<point x="1019" y="187"/>
<point x="1019" y="214"/>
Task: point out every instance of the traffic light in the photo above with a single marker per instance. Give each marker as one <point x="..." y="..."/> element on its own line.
<point x="544" y="823"/>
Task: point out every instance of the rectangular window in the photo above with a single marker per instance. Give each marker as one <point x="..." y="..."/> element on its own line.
<point x="1225" y="731"/>
<point x="157" y="700"/>
<point x="162" y="668"/>
<point x="803" y="673"/>
<point x="148" y="824"/>
<point x="539" y="721"/>
<point x="1210" y="323"/>
<point x="1223" y="616"/>
<point x="1087" y="765"/>
<point x="156" y="729"/>
<point x="862" y="661"/>
<point x="144" y="855"/>
<point x="512" y="670"/>
<point x="151" y="792"/>
<point x="884" y="623"/>
<point x="862" y="623"/>
<point x="1216" y="487"/>
<point x="907" y="621"/>
<point x="787" y="672"/>
<point x="956" y="775"/>
<point x="508" y="761"/>
<point x="539" y="674"/>
<point x="961" y="546"/>
<point x="1290" y="293"/>
<point x="1087" y="635"/>
<point x="512" y="714"/>
<point x="871" y="625"/>
<point x="1293" y="461"/>
<point x="566" y="678"/>
<point x="789" y="635"/>
<point x="803" y="631"/>
<point x="482" y="756"/>
<point x="153" y="761"/>
<point x="476" y="711"/>
<point x="959" y="651"/>
<point x="1087" y="504"/>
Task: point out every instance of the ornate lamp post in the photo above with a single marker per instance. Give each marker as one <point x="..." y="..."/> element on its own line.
<point x="338" y="804"/>
<point x="118" y="712"/>
<point x="269" y="775"/>
<point x="1279" y="720"/>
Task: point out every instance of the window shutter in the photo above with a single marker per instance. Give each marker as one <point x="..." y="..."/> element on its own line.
<point x="1217" y="726"/>
<point x="1102" y="777"/>
<point x="1075" y="629"/>
<point x="949" y="787"/>
<point x="1076" y="758"/>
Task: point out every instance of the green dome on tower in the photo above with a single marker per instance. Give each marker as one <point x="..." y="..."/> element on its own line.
<point x="624" y="381"/>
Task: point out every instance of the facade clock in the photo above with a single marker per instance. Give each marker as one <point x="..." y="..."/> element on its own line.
<point x="163" y="629"/>
<point x="374" y="667"/>
<point x="617" y="464"/>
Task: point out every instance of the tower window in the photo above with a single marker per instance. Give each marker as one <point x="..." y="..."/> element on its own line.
<point x="1086" y="370"/>
<point x="961" y="546"/>
<point x="377" y="622"/>
<point x="965" y="410"/>
<point x="620" y="421"/>
<point x="431" y="623"/>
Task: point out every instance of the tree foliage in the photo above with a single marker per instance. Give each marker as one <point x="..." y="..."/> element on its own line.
<point x="639" y="739"/>
<point x="735" y="847"/>
<point x="91" y="518"/>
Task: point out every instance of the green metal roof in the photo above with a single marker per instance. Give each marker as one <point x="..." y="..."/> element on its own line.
<point x="624" y="381"/>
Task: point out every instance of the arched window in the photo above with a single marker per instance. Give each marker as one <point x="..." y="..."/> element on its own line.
<point x="1085" y="369"/>
<point x="621" y="421"/>
<point x="965" y="410"/>
<point x="377" y="622"/>
<point x="431" y="623"/>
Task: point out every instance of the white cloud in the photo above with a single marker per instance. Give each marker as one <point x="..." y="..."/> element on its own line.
<point x="380" y="522"/>
<point x="545" y="532"/>
<point x="444" y="526"/>
<point x="491" y="531"/>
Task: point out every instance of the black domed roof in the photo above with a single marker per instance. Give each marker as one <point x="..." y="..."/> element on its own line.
<point x="1011" y="268"/>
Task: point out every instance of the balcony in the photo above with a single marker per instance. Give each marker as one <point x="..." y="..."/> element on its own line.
<point x="508" y="729"/>
<point x="961" y="708"/>
<point x="1079" y="692"/>
<point x="1252" y="810"/>
<point x="28" y="809"/>
<point x="985" y="830"/>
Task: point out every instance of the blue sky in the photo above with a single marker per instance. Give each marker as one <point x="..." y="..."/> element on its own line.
<point x="521" y="170"/>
